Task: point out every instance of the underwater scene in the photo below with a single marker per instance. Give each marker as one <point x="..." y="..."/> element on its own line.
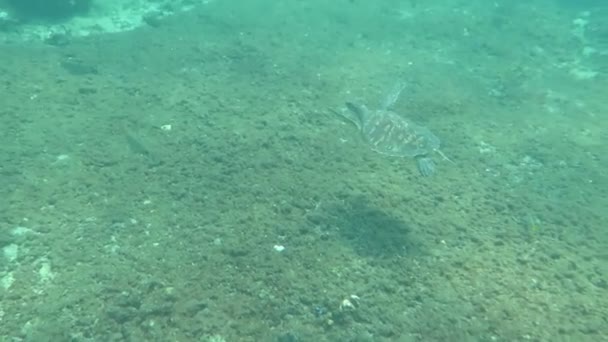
<point x="303" y="170"/>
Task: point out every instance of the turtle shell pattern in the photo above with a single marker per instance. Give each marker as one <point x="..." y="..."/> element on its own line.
<point x="390" y="134"/>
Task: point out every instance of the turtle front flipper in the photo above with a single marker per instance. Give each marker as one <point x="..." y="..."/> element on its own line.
<point x="361" y="112"/>
<point x="392" y="96"/>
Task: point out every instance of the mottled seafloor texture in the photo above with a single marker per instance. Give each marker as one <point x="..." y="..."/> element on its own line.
<point x="190" y="180"/>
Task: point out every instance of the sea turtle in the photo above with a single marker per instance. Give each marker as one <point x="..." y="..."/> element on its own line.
<point x="391" y="134"/>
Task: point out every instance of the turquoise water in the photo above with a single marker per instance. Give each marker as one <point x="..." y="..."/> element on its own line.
<point x="188" y="179"/>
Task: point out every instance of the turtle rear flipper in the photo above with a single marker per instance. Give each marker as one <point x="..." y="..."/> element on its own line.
<point x="426" y="166"/>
